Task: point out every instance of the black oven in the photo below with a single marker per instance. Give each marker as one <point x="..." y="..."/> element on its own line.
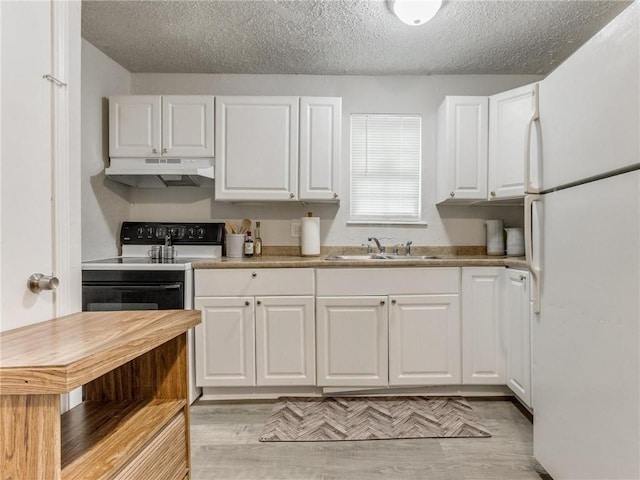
<point x="110" y="290"/>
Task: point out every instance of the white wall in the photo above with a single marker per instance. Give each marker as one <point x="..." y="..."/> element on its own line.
<point x="105" y="204"/>
<point x="360" y="94"/>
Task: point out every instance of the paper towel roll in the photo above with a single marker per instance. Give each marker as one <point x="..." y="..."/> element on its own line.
<point x="310" y="236"/>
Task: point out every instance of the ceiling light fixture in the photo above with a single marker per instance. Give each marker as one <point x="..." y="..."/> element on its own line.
<point x="415" y="12"/>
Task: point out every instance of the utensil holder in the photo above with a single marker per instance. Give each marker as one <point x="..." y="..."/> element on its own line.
<point x="235" y="244"/>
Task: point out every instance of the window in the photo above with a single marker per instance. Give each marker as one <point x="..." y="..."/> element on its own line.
<point x="386" y="168"/>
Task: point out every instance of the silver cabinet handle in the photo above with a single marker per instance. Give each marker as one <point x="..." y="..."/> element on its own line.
<point x="247" y="303"/>
<point x="291" y="195"/>
<point x="382" y="302"/>
<point x="394" y="301"/>
<point x="335" y="195"/>
<point x="522" y="278"/>
<point x="254" y="274"/>
<point x="452" y="194"/>
<point x="493" y="194"/>
<point x="38" y="282"/>
<point x="164" y="150"/>
<point x="155" y="150"/>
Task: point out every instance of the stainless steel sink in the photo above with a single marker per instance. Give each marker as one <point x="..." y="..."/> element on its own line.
<point x="377" y="256"/>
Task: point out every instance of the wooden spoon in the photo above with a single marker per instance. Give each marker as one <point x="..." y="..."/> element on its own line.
<point x="245" y="226"/>
<point x="228" y="228"/>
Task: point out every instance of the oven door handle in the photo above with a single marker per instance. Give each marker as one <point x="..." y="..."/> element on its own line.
<point x="136" y="288"/>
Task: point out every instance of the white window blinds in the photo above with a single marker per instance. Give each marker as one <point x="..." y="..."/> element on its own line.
<point x="385" y="168"/>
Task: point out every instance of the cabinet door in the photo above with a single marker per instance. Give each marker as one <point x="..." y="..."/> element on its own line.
<point x="135" y="126"/>
<point x="352" y="347"/>
<point x="187" y="125"/>
<point x="256" y="148"/>
<point x="483" y="343"/>
<point x="424" y="340"/>
<point x="518" y="334"/>
<point x="225" y="342"/>
<point x="320" y="148"/>
<point x="509" y="114"/>
<point x="463" y="129"/>
<point x="285" y="341"/>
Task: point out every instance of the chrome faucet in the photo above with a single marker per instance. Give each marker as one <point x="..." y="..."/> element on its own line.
<point x="407" y="248"/>
<point x="374" y="239"/>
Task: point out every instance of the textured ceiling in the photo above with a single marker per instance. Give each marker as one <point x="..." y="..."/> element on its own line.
<point x="341" y="37"/>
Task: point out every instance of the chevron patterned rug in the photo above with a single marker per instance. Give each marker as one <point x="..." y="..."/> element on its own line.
<point x="370" y="418"/>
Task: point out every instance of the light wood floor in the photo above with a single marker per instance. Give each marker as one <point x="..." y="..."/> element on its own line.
<point x="224" y="445"/>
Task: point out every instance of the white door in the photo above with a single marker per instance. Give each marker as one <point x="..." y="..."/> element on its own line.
<point x="135" y="126"/>
<point x="424" y="340"/>
<point x="517" y="320"/>
<point x="225" y="342"/>
<point x="509" y="114"/>
<point x="187" y="126"/>
<point x="285" y="341"/>
<point x="256" y="148"/>
<point x="483" y="339"/>
<point x="320" y="148"/>
<point x="352" y="341"/>
<point x="39" y="221"/>
<point x="463" y="129"/>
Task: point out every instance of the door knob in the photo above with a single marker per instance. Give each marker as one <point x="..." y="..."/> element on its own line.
<point x="38" y="282"/>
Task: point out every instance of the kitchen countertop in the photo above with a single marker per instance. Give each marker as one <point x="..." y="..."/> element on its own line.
<point x="293" y="261"/>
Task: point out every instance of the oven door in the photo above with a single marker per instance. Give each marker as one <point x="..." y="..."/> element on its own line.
<point x="132" y="290"/>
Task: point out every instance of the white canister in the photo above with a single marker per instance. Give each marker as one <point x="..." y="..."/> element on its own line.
<point x="495" y="237"/>
<point x="515" y="242"/>
<point x="235" y="245"/>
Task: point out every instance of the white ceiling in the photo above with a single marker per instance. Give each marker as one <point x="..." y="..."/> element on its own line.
<point x="341" y="37"/>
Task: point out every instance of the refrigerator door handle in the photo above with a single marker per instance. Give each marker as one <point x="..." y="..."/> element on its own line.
<point x="535" y="115"/>
<point x="528" y="248"/>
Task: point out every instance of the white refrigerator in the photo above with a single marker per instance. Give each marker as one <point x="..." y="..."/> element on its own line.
<point x="583" y="246"/>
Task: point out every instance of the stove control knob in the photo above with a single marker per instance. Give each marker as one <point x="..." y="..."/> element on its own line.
<point x="150" y="231"/>
<point x="140" y="231"/>
<point x="191" y="231"/>
<point x="201" y="233"/>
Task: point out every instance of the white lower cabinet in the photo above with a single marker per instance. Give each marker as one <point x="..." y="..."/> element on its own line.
<point x="285" y="341"/>
<point x="424" y="340"/>
<point x="225" y="342"/>
<point x="352" y="341"/>
<point x="518" y="327"/>
<point x="393" y="336"/>
<point x="483" y="339"/>
<point x="265" y="338"/>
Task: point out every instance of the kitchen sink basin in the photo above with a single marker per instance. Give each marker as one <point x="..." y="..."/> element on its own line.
<point x="377" y="256"/>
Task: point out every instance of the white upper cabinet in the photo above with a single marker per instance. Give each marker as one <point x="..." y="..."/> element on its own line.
<point x="156" y="126"/>
<point x="320" y="148"/>
<point x="463" y="126"/>
<point x="509" y="115"/>
<point x="256" y="148"/>
<point x="187" y="126"/>
<point x="135" y="126"/>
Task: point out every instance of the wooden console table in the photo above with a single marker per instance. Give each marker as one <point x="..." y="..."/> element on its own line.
<point x="134" y="421"/>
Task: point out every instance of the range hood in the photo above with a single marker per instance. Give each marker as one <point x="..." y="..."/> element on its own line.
<point x="162" y="172"/>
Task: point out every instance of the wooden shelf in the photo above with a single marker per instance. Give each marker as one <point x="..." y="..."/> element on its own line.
<point x="134" y="422"/>
<point x="99" y="438"/>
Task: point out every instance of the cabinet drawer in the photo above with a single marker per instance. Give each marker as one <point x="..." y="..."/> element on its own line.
<point x="249" y="282"/>
<point x="388" y="281"/>
<point x="163" y="458"/>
